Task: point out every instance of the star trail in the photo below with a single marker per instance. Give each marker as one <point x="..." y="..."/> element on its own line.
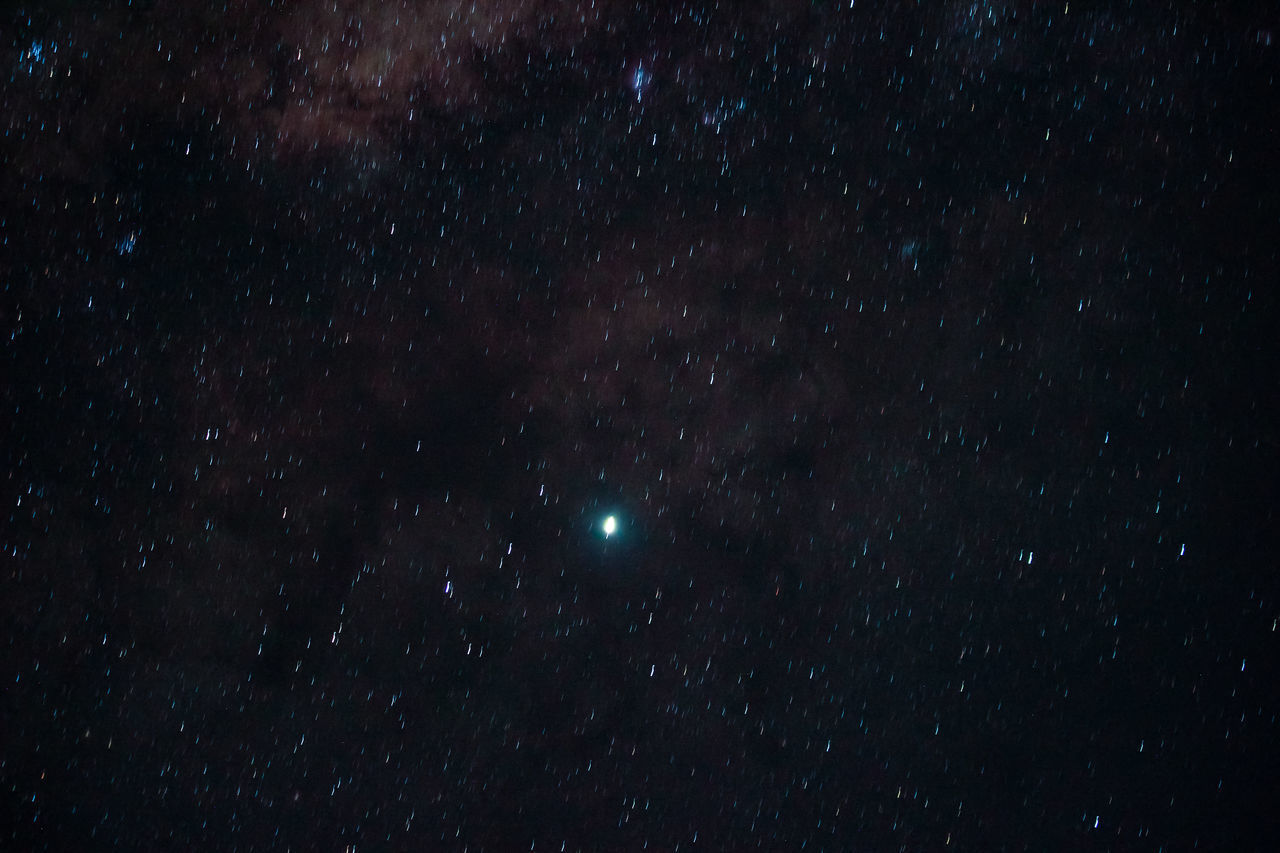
<point x="585" y="425"/>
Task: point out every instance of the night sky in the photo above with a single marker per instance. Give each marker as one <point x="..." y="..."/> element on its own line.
<point x="592" y="425"/>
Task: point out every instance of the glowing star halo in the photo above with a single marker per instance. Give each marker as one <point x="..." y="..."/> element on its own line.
<point x="609" y="525"/>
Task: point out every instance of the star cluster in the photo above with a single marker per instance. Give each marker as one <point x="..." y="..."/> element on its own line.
<point x="538" y="424"/>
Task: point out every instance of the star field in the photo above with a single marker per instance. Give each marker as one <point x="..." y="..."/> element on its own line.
<point x="556" y="425"/>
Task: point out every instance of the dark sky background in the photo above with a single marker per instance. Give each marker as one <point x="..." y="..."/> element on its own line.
<point x="925" y="354"/>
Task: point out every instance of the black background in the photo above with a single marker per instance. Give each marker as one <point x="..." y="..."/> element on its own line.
<point x="927" y="354"/>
